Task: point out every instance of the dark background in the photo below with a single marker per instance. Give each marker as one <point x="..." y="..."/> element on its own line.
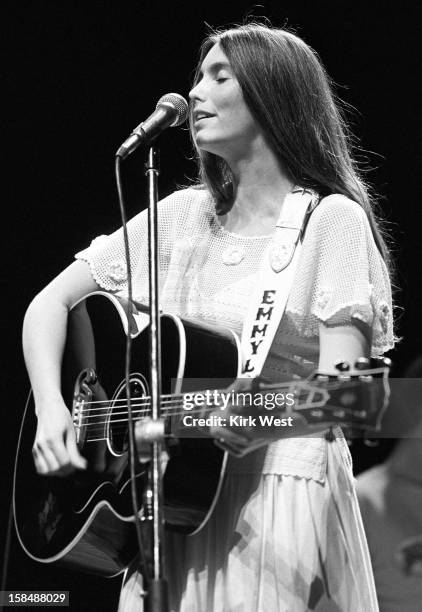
<point x="83" y="74"/>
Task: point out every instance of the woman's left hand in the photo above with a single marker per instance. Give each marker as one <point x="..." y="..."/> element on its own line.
<point x="241" y="438"/>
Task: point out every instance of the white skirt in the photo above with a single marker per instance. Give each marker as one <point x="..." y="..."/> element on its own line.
<point x="274" y="543"/>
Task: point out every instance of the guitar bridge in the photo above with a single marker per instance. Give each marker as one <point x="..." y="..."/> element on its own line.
<point x="83" y="393"/>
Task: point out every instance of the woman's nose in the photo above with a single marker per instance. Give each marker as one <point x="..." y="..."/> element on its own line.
<point x="196" y="93"/>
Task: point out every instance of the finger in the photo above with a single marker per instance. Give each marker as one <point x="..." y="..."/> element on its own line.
<point x="49" y="457"/>
<point x="59" y="451"/>
<point x="76" y="458"/>
<point x="63" y="466"/>
<point x="40" y="463"/>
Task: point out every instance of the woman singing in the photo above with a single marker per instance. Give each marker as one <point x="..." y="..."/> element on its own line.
<point x="286" y="534"/>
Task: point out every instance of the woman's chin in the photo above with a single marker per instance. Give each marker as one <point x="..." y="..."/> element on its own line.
<point x="202" y="141"/>
<point x="210" y="145"/>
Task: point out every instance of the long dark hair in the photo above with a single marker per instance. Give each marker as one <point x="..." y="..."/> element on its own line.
<point x="289" y="93"/>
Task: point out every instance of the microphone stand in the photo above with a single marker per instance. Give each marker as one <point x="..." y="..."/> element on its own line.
<point x="156" y="599"/>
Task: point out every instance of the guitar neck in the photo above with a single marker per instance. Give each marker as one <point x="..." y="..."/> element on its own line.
<point x="286" y="397"/>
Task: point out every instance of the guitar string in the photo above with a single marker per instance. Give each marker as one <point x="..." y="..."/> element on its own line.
<point x="173" y="401"/>
<point x="332" y="384"/>
<point x="170" y="404"/>
<point x="94" y="409"/>
<point x="181" y="395"/>
<point x="305" y="400"/>
<point x="170" y="409"/>
<point x="120" y="424"/>
<point x="140" y="414"/>
<point x="113" y="422"/>
<point x="172" y="398"/>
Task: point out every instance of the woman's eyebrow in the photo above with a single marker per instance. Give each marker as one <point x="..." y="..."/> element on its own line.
<point x="215" y="67"/>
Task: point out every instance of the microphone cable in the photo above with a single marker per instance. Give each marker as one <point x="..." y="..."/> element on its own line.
<point x="131" y="423"/>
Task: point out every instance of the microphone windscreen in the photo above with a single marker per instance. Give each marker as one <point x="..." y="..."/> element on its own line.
<point x="179" y="103"/>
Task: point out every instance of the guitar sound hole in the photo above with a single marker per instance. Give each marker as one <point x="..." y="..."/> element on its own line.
<point x="117" y="427"/>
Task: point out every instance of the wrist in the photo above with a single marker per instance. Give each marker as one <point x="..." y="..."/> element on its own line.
<point x="44" y="400"/>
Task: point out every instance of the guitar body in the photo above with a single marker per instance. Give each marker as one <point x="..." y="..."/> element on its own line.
<point x="85" y="521"/>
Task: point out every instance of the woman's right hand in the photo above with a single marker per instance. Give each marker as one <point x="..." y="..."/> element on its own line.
<point x="55" y="450"/>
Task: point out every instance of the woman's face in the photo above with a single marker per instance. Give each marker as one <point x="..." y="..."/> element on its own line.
<point x="222" y="123"/>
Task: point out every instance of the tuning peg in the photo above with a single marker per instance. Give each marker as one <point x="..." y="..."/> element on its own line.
<point x="362" y="363"/>
<point x="343" y="366"/>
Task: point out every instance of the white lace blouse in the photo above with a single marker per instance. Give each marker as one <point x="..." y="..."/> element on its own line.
<point x="208" y="274"/>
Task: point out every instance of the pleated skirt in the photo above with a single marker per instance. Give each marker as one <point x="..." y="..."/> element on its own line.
<point x="274" y="543"/>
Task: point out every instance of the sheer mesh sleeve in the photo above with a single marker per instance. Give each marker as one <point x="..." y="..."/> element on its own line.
<point x="106" y="256"/>
<point x="342" y="276"/>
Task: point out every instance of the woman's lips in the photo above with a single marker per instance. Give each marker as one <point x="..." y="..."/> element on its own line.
<point x="197" y="121"/>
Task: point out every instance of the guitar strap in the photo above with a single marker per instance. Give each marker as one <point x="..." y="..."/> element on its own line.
<point x="268" y="302"/>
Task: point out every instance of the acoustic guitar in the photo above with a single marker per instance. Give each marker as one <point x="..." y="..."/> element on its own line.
<point x="85" y="521"/>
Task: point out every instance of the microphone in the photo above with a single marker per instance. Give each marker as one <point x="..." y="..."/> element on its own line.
<point x="171" y="110"/>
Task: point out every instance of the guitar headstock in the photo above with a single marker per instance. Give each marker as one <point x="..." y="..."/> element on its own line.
<point x="357" y="397"/>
